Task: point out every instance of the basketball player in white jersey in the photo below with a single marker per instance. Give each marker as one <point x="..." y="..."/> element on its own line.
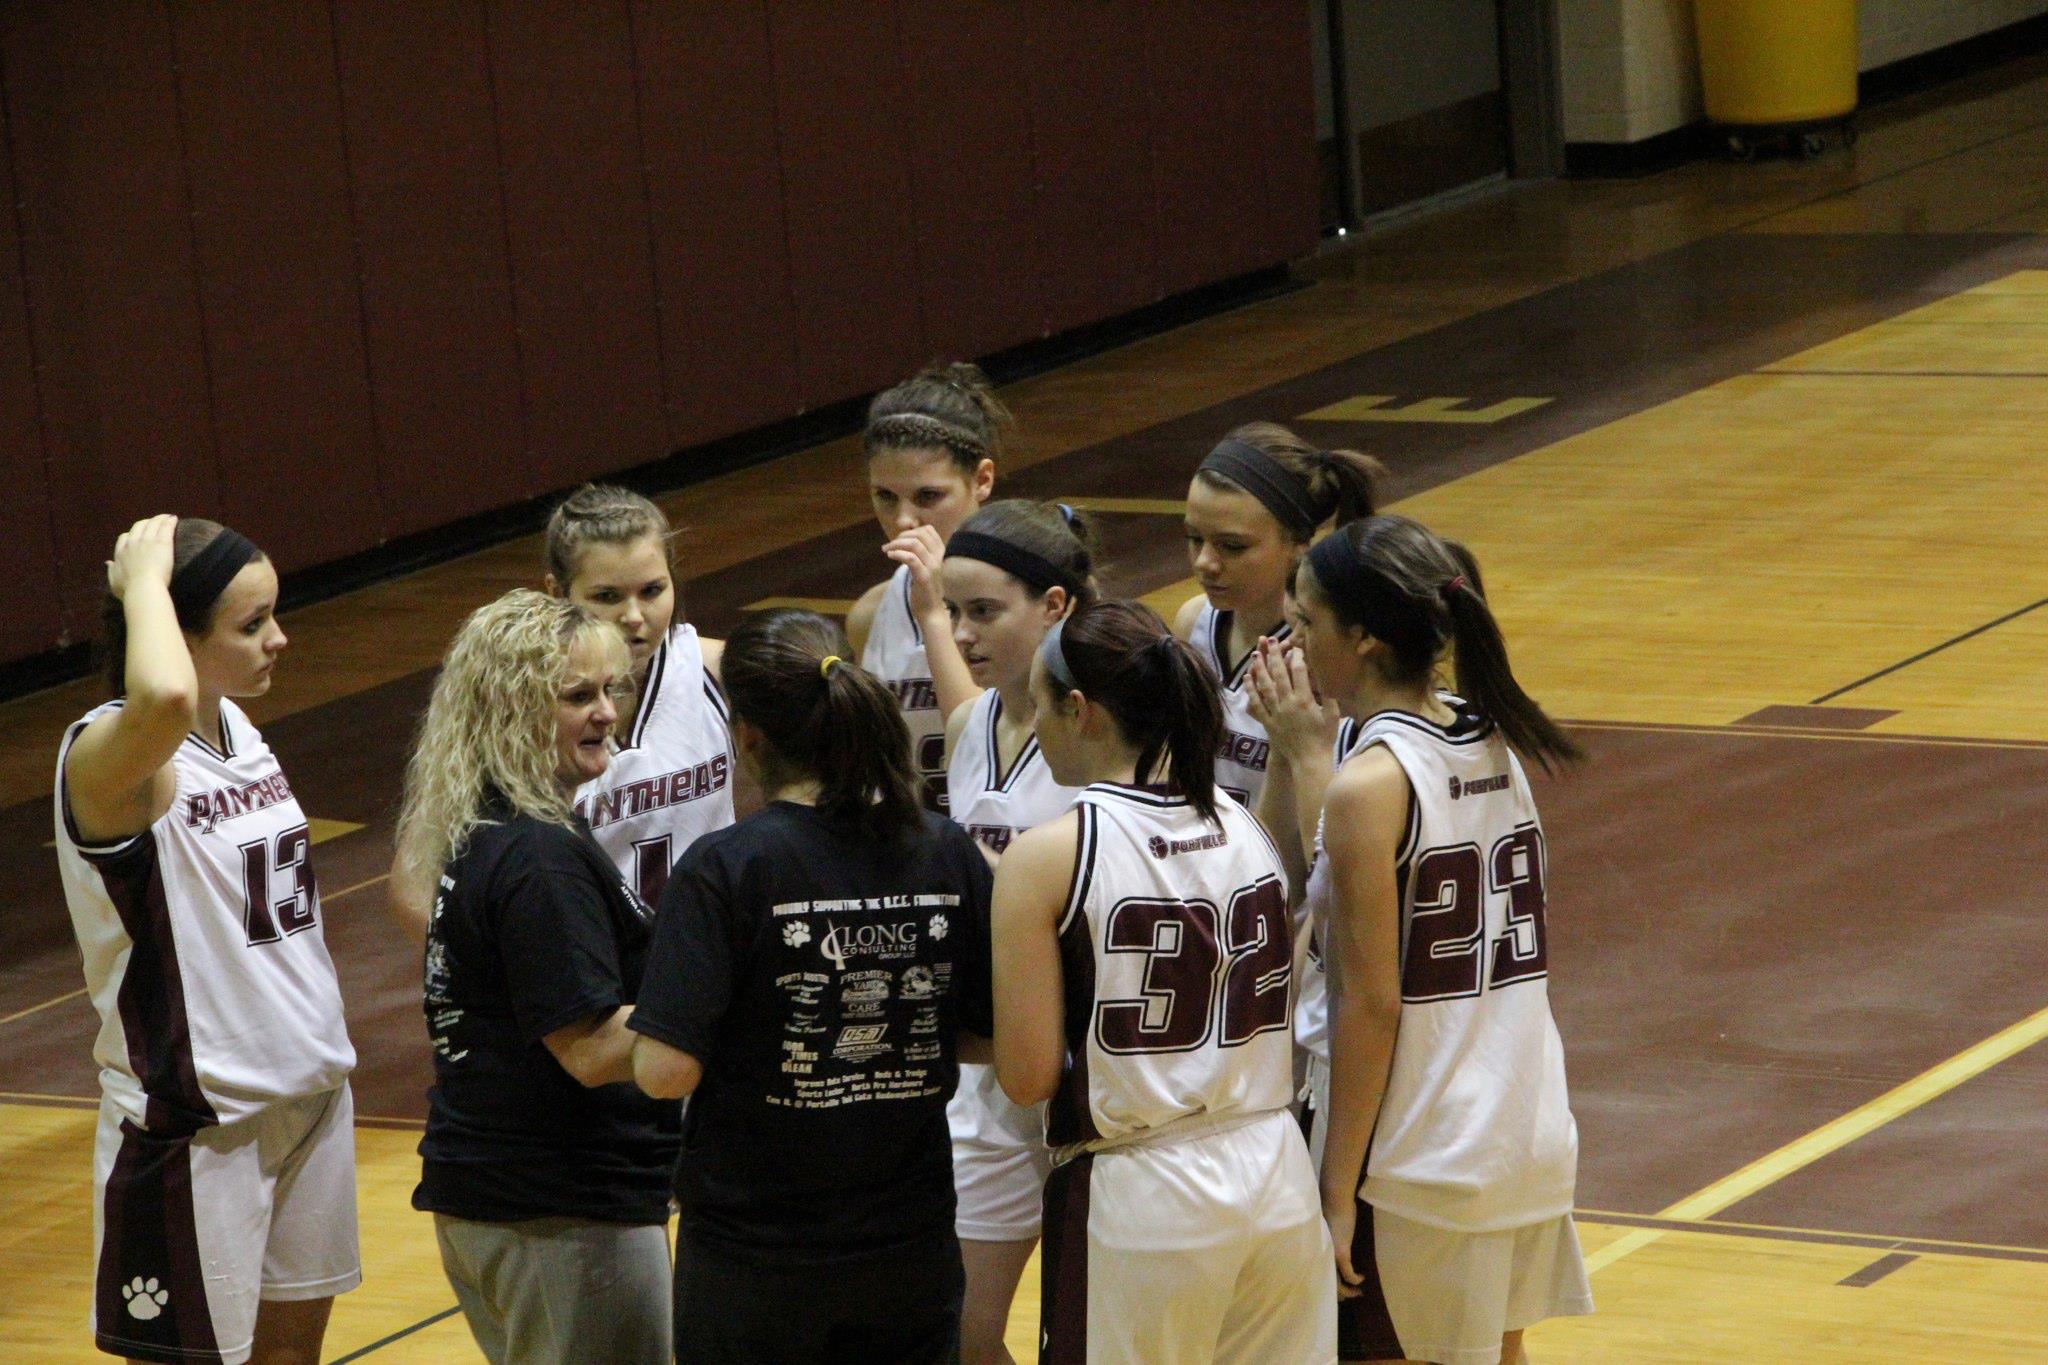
<point x="224" y="1165"/>
<point x="1143" y="964"/>
<point x="1448" y="1150"/>
<point x="931" y="445"/>
<point x="672" y="776"/>
<point x="1254" y="506"/>
<point x="1012" y="571"/>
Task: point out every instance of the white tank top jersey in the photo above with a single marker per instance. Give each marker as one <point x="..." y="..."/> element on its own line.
<point x="670" y="780"/>
<point x="1312" y="989"/>
<point x="895" y="653"/>
<point x="201" y="942"/>
<point x="1475" y="1132"/>
<point x="1241" y="763"/>
<point x="992" y="804"/>
<point x="1178" y="962"/>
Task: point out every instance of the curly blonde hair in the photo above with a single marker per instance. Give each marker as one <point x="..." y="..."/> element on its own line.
<point x="490" y="726"/>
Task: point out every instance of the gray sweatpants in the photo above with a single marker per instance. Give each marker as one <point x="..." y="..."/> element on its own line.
<point x="561" y="1291"/>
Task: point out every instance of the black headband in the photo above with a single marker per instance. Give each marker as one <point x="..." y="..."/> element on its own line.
<point x="197" y="586"/>
<point x="1035" y="571"/>
<point x="1384" y="610"/>
<point x="1283" y="492"/>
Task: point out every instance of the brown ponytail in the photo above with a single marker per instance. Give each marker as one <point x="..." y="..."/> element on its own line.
<point x="1160" y="692"/>
<point x="1342" y="485"/>
<point x="1420" y="596"/>
<point x="786" y="673"/>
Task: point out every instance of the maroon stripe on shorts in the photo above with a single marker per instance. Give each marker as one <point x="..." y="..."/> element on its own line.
<point x="151" y="1001"/>
<point x="1365" y="1330"/>
<point x="149" y="1301"/>
<point x="1063" y="1265"/>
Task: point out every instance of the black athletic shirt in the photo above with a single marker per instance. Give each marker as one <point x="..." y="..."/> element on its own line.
<point x="818" y="976"/>
<point x="534" y="929"/>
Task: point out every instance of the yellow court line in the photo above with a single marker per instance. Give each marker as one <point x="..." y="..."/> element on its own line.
<point x="81" y="1101"/>
<point x="1156" y="507"/>
<point x="337" y="895"/>
<point x="1615" y="1218"/>
<point x="1831" y="1137"/>
<point x="1798" y="732"/>
<point x="32" y="1009"/>
<point x="824" y="606"/>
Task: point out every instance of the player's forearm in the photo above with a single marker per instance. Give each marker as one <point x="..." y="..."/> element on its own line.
<point x="951" y="681"/>
<point x="1361" y="1056"/>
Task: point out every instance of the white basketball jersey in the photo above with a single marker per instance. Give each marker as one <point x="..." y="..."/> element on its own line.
<point x="1311" y="920"/>
<point x="895" y="654"/>
<point x="670" y="780"/>
<point x="992" y="803"/>
<point x="1475" y="1132"/>
<point x="1241" y="762"/>
<point x="201" y="942"/>
<point x="1178" y="963"/>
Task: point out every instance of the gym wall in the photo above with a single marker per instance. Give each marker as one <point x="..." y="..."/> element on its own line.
<point x="339" y="272"/>
<point x="1630" y="68"/>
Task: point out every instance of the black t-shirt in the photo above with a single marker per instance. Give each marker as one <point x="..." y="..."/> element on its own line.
<point x="818" y="975"/>
<point x="534" y="929"/>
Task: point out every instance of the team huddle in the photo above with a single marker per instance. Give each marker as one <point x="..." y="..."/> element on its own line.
<point x="1206" y="958"/>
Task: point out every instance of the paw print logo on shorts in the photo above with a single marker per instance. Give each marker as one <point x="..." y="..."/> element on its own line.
<point x="796" y="933"/>
<point x="145" y="1299"/>
<point x="938" y="926"/>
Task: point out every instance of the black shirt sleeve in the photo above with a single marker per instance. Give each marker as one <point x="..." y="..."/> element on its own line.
<point x="556" y="939"/>
<point x="694" y="960"/>
<point x="976" y="1004"/>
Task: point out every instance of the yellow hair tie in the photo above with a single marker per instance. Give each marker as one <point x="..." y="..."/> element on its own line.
<point x="825" y="665"/>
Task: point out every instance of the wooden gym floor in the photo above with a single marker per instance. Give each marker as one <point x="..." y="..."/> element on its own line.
<point x="1750" y="456"/>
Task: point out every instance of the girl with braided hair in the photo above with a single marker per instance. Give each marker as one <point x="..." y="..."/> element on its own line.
<point x="931" y="446"/>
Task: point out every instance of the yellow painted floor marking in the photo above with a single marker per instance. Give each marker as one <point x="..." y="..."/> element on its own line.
<point x="367" y="881"/>
<point x="323" y="830"/>
<point x="1171" y="598"/>
<point x="34" y="1097"/>
<point x="1768" y="539"/>
<point x="37" y="1009"/>
<point x="1831" y="1137"/>
<point x="824" y="606"/>
<point x="1372" y="407"/>
<point x="1158" y="507"/>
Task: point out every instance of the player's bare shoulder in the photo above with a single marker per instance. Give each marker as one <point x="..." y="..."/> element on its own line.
<point x="1189" y="613"/>
<point x="861" y="620"/>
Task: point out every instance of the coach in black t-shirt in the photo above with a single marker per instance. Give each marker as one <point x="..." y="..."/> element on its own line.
<point x="546" y="1170"/>
<point x="810" y="970"/>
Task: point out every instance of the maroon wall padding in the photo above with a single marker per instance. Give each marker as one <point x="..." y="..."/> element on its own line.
<point x="113" y="304"/>
<point x="338" y="272"/>
<point x="268" y="177"/>
<point x="973" y="173"/>
<point x="1274" y="59"/>
<point x="30" y="616"/>
<point x="436" y="287"/>
<point x="1207" y="143"/>
<point x="714" y="183"/>
<point x="1092" y="130"/>
<point x="840" y="91"/>
<point x="576" y="213"/>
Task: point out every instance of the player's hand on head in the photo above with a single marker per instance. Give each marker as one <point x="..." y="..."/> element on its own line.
<point x="143" y="554"/>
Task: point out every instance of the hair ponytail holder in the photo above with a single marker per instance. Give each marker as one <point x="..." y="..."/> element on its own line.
<point x="825" y="665"/>
<point x="1451" y="588"/>
<point x="1066" y="514"/>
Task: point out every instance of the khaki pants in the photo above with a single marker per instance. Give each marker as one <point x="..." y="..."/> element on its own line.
<point x="561" y="1291"/>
